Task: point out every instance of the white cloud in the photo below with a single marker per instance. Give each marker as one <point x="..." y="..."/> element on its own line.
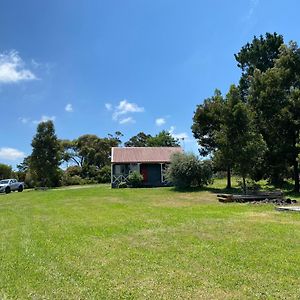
<point x="69" y="107"/>
<point x="44" y="119"/>
<point x="126" y="107"/>
<point x="160" y="121"/>
<point x="12" y="68"/>
<point x="11" y="154"/>
<point x="108" y="106"/>
<point x="180" y="136"/>
<point x="24" y="120"/>
<point x="127" y="120"/>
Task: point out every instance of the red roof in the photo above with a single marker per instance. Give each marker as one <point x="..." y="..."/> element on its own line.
<point x="143" y="154"/>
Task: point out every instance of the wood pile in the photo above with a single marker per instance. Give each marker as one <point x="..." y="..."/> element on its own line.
<point x="253" y="197"/>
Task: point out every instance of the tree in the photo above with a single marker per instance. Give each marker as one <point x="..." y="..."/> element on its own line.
<point x="5" y="171"/>
<point x="259" y="54"/>
<point x="139" y="140"/>
<point x="71" y="152"/>
<point x="275" y="96"/>
<point x="207" y="122"/>
<point x="46" y="155"/>
<point x="90" y="152"/>
<point x="186" y="170"/>
<point x="239" y="143"/>
<point x="163" y="139"/>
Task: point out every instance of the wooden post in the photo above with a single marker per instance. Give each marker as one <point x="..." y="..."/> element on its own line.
<point x="161" y="173"/>
<point x="111" y="175"/>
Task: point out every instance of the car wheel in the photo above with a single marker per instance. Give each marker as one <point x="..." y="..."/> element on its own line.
<point x="7" y="190"/>
<point x="20" y="189"/>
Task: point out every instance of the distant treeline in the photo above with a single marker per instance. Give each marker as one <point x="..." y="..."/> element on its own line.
<point x="54" y="162"/>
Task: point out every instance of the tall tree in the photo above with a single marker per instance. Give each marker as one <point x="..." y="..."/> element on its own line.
<point x="239" y="142"/>
<point x="259" y="54"/>
<point x="46" y="155"/>
<point x="207" y="122"/>
<point x="275" y="95"/>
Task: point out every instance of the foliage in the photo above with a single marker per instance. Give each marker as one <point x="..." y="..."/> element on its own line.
<point x="104" y="175"/>
<point x="135" y="179"/>
<point x="260" y="54"/>
<point x="139" y="140"/>
<point x="67" y="179"/>
<point x="89" y="149"/>
<point x="29" y="180"/>
<point x="46" y="156"/>
<point x="255" y="129"/>
<point x="238" y="141"/>
<point x="73" y="171"/>
<point x="5" y="171"/>
<point x="275" y="97"/>
<point x="163" y="139"/>
<point x="207" y="121"/>
<point x="186" y="170"/>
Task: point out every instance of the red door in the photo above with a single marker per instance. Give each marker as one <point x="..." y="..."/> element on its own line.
<point x="144" y="172"/>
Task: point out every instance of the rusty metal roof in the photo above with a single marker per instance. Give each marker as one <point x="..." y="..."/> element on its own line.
<point x="143" y="154"/>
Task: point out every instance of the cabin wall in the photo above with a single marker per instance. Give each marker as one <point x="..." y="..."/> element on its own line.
<point x="154" y="174"/>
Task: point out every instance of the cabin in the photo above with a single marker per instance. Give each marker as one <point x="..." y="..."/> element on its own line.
<point x="151" y="162"/>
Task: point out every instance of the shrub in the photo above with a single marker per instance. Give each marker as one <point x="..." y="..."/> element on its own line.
<point x="135" y="179"/>
<point x="187" y="170"/>
<point x="29" y="180"/>
<point x="71" y="180"/>
<point x="73" y="170"/>
<point x="5" y="171"/>
<point x="104" y="174"/>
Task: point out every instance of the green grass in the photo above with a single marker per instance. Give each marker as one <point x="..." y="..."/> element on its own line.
<point x="98" y="243"/>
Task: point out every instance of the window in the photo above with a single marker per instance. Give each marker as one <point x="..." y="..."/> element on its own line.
<point x="121" y="169"/>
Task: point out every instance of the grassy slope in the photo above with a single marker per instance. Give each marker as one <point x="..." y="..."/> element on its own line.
<point x="96" y="243"/>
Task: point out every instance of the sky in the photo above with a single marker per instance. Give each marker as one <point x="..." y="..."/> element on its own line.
<point x="96" y="67"/>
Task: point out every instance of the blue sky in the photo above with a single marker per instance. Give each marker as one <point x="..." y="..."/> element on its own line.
<point x="101" y="66"/>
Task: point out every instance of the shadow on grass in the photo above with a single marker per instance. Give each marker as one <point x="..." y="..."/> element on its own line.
<point x="207" y="189"/>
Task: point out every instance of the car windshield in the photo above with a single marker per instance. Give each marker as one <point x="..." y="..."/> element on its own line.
<point x="3" y="181"/>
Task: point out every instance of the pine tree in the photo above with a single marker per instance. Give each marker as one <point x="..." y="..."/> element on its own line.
<point x="46" y="155"/>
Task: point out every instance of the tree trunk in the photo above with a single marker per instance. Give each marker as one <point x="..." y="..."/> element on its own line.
<point x="295" y="162"/>
<point x="244" y="186"/>
<point x="228" y="177"/>
<point x="296" y="176"/>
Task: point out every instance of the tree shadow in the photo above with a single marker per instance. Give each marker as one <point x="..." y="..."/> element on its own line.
<point x="213" y="190"/>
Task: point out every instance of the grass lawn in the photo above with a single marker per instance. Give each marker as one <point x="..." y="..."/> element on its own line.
<point x="98" y="243"/>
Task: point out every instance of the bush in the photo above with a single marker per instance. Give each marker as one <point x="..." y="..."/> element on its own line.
<point x="73" y="170"/>
<point x="104" y="174"/>
<point x="71" y="180"/>
<point x="135" y="179"/>
<point x="29" y="180"/>
<point x="187" y="170"/>
<point x="5" y="171"/>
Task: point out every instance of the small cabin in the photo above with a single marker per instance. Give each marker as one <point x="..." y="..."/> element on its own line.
<point x="151" y="162"/>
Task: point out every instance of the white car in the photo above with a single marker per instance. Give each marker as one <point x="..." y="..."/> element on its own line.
<point x="9" y="185"/>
